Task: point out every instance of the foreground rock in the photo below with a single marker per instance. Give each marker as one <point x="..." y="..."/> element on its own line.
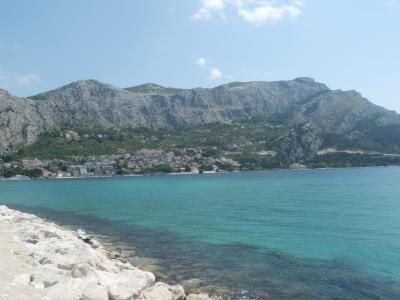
<point x="40" y="260"/>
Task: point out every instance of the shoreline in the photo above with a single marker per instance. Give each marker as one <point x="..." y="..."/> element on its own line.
<point x="119" y="176"/>
<point x="42" y="260"/>
<point x="198" y="174"/>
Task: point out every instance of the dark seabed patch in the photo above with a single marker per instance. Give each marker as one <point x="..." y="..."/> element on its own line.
<point x="233" y="271"/>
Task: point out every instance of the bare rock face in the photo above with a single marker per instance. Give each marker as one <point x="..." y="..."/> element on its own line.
<point x="108" y="106"/>
<point x="302" y="142"/>
<point x="20" y="123"/>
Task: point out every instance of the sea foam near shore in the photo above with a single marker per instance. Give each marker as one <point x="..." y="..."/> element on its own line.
<point x="40" y="260"/>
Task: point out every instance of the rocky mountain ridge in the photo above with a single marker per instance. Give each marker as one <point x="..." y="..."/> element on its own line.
<point x="311" y="108"/>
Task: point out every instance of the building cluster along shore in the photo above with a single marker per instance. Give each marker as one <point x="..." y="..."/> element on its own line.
<point x="45" y="261"/>
<point x="141" y="162"/>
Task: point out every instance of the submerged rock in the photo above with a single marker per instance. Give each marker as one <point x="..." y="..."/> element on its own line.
<point x="198" y="297"/>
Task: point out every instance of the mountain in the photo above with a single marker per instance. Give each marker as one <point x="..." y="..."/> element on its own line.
<point x="152" y="88"/>
<point x="316" y="116"/>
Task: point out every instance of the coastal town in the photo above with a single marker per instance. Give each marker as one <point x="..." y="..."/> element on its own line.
<point x="141" y="162"/>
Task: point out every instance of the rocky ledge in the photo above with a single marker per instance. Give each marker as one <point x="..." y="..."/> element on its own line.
<point x="40" y="260"/>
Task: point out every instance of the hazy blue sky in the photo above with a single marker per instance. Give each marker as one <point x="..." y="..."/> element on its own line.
<point x="347" y="44"/>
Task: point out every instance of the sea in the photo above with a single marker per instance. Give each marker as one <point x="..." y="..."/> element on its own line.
<point x="307" y="234"/>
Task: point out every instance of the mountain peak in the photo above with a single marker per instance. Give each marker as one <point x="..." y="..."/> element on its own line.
<point x="84" y="86"/>
<point x="86" y="83"/>
<point x="150" y="88"/>
<point x="305" y="79"/>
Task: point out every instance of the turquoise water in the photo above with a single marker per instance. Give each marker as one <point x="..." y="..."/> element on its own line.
<point x="323" y="234"/>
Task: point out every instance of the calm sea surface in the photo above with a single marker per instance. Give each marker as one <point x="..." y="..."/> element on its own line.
<point x="323" y="234"/>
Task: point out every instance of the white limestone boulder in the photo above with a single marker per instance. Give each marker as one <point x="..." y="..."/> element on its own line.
<point x="162" y="291"/>
<point x="126" y="284"/>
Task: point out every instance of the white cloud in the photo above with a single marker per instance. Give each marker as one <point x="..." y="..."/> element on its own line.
<point x="201" y="61"/>
<point x="213" y="4"/>
<point x="208" y="6"/>
<point x="265" y="13"/>
<point x="201" y="14"/>
<point x="257" y="12"/>
<point x="215" y="74"/>
<point x="27" y="79"/>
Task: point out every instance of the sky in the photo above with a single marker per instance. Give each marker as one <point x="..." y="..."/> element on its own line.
<point x="348" y="45"/>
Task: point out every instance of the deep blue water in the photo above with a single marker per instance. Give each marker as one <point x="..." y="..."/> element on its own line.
<point x="323" y="234"/>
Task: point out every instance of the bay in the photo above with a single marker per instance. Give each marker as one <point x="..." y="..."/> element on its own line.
<point x="320" y="234"/>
